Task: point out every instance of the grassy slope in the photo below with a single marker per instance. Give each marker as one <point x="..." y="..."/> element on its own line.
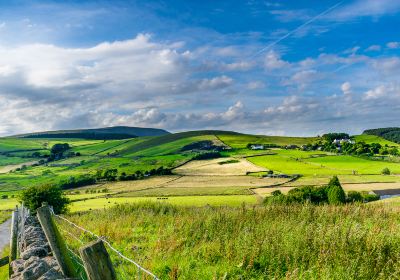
<point x="300" y="242"/>
<point x="241" y="140"/>
<point x="374" y="139"/>
<point x="156" y="141"/>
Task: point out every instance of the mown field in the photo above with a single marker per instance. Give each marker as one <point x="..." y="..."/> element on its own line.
<point x="271" y="242"/>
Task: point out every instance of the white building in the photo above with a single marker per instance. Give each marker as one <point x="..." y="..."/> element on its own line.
<point x="257" y="147"/>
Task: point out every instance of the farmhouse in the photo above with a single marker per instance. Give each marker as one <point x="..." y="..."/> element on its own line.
<point x="257" y="147"/>
<point x="342" y="141"/>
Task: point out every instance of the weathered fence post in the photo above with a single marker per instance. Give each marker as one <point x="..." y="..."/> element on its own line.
<point x="13" y="238"/>
<point x="97" y="262"/>
<point x="56" y="242"/>
<point x="14" y="235"/>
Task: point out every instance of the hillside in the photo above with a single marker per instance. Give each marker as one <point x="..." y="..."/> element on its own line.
<point x="158" y="141"/>
<point x="388" y="133"/>
<point x="116" y="132"/>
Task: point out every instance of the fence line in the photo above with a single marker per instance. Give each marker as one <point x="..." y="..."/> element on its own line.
<point x="138" y="266"/>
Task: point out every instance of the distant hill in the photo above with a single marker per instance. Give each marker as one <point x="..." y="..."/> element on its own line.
<point x="116" y="132"/>
<point x="158" y="141"/>
<point x="388" y="133"/>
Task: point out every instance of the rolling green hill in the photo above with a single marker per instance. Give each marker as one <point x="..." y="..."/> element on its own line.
<point x="116" y="132"/>
<point x="157" y="141"/>
<point x="389" y="133"/>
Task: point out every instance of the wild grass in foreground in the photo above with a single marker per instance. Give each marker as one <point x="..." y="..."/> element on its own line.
<point x="4" y="216"/>
<point x="264" y="242"/>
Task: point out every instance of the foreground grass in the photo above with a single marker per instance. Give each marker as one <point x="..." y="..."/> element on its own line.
<point x="272" y="242"/>
<point x="4" y="216"/>
<point x="4" y="269"/>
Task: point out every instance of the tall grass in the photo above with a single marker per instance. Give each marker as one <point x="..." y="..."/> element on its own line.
<point x="268" y="242"/>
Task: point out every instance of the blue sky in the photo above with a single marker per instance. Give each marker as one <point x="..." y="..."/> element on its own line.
<point x="267" y="67"/>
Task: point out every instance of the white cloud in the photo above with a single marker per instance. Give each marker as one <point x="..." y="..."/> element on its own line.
<point x="365" y="8"/>
<point x="373" y="48"/>
<point x="375" y="93"/>
<point x="255" y="85"/>
<point x="273" y="61"/>
<point x="346" y="88"/>
<point x="393" y="45"/>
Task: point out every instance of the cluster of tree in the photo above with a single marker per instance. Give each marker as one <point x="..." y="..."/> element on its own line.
<point x="389" y="133"/>
<point x="76" y="182"/>
<point x="106" y="175"/>
<point x="330" y="137"/>
<point x="332" y="193"/>
<point x="358" y="148"/>
<point x="58" y="150"/>
<point x="140" y="175"/>
<point x="208" y="155"/>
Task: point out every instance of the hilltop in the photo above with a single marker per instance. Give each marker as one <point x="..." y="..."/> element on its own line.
<point x="388" y="133"/>
<point x="115" y="132"/>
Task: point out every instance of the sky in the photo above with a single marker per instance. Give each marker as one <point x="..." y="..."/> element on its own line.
<point x="294" y="67"/>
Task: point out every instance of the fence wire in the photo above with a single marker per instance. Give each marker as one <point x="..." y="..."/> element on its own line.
<point x="77" y="236"/>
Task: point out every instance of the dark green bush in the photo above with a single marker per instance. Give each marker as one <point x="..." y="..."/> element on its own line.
<point x="386" y="171"/>
<point x="368" y="197"/>
<point x="34" y="196"/>
<point x="354" y="196"/>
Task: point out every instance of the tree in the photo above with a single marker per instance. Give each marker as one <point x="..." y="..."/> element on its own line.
<point x="57" y="150"/>
<point x="334" y="182"/>
<point x="336" y="194"/>
<point x="386" y="171"/>
<point x="34" y="196"/>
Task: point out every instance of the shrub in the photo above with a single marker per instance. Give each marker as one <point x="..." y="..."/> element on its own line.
<point x="336" y="195"/>
<point x="34" y="196"/>
<point x="354" y="196"/>
<point x="386" y="171"/>
<point x="276" y="193"/>
<point x="368" y="197"/>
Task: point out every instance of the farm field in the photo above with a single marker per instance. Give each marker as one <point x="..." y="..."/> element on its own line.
<point x="218" y="167"/>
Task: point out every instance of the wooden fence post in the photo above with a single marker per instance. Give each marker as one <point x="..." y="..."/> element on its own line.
<point x="13" y="238"/>
<point x="97" y="262"/>
<point x="56" y="242"/>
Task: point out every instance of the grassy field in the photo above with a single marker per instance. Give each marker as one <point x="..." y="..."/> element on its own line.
<point x="271" y="242"/>
<point x="214" y="200"/>
<point x="218" y="167"/>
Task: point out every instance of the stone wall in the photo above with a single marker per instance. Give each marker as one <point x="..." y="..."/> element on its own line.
<point x="36" y="261"/>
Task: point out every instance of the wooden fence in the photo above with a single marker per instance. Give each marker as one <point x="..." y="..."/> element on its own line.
<point x="94" y="257"/>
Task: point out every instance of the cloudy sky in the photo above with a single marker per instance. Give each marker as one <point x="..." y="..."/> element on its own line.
<point x="269" y="67"/>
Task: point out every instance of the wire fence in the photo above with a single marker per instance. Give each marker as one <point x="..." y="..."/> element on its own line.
<point x="76" y="236"/>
